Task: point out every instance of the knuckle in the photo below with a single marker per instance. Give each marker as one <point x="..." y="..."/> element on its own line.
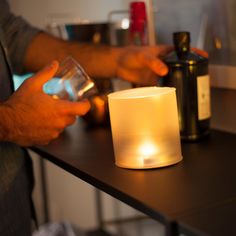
<point x="71" y="120"/>
<point x="55" y="135"/>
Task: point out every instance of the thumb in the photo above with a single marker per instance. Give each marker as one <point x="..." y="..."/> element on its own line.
<point x="46" y="73"/>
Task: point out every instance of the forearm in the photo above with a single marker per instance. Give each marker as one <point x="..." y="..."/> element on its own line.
<point x="97" y="60"/>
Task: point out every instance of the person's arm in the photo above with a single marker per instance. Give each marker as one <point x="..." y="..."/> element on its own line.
<point x="31" y="117"/>
<point x="45" y="48"/>
<point x="136" y="64"/>
<point x="140" y="65"/>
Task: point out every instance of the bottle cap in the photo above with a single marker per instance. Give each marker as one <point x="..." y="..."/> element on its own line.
<point x="181" y="38"/>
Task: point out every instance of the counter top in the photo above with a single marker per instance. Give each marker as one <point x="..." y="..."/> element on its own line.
<point x="198" y="193"/>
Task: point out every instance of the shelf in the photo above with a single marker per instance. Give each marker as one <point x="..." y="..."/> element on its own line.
<point x="198" y="186"/>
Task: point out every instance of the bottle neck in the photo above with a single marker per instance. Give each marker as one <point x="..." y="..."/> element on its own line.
<point x="182" y="43"/>
<point x="182" y="50"/>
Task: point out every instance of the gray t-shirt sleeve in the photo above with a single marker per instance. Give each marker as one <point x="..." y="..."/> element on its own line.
<point x="18" y="35"/>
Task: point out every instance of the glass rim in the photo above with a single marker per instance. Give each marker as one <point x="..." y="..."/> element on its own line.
<point x="143" y="92"/>
<point x="66" y="62"/>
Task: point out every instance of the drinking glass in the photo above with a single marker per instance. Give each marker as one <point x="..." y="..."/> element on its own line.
<point x="71" y="82"/>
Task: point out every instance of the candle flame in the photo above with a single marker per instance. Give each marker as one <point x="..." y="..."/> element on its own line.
<point x="148" y="149"/>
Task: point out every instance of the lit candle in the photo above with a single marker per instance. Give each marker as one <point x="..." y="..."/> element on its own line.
<point x="147" y="151"/>
<point x="145" y="128"/>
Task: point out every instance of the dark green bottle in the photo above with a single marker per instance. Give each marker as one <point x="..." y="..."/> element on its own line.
<point x="188" y="73"/>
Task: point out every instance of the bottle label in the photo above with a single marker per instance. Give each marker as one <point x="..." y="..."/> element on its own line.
<point x="203" y="90"/>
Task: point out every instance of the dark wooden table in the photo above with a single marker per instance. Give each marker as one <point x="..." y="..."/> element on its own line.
<point x="195" y="197"/>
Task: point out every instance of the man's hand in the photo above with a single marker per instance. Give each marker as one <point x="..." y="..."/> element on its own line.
<point x="142" y="65"/>
<point x="35" y="118"/>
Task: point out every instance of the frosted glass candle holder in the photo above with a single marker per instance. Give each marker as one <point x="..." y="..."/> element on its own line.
<point x="145" y="128"/>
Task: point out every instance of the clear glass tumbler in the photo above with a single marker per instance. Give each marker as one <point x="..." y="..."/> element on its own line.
<point x="71" y="82"/>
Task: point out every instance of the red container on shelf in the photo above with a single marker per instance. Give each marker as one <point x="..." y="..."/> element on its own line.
<point x="138" y="23"/>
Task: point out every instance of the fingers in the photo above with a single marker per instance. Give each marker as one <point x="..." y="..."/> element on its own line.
<point x="46" y="73"/>
<point x="144" y="77"/>
<point x="71" y="120"/>
<point x="154" y="63"/>
<point x="74" y="108"/>
<point x="200" y="52"/>
<point x="127" y="75"/>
